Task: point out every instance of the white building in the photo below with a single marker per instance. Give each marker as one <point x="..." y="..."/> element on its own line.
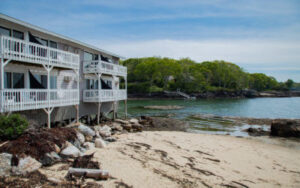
<point x="49" y="77"/>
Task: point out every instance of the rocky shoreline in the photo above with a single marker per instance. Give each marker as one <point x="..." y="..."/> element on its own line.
<point x="218" y="94"/>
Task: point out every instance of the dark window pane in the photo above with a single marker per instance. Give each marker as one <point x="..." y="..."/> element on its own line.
<point x="7" y="80"/>
<point x="95" y="57"/>
<point x="53" y="44"/>
<point x="44" y="81"/>
<point x="53" y="82"/>
<point x="18" y="34"/>
<point x="4" y="31"/>
<point x="18" y="80"/>
<point x="44" y="42"/>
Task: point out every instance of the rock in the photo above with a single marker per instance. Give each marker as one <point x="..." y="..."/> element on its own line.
<point x="89" y="145"/>
<point x="86" y="130"/>
<point x="71" y="151"/>
<point x="80" y="137"/>
<point x="134" y="120"/>
<point x="88" y="138"/>
<point x="285" y="128"/>
<point x="54" y="180"/>
<point x="57" y="149"/>
<point x="5" y="164"/>
<point x="50" y="158"/>
<point x="99" y="143"/>
<point x="257" y="132"/>
<point x="137" y="127"/>
<point x="166" y="107"/>
<point x="26" y="165"/>
<point x="121" y="121"/>
<point x="110" y="139"/>
<point x="117" y="127"/>
<point x="104" y="131"/>
<point x="127" y="127"/>
<point x="77" y="144"/>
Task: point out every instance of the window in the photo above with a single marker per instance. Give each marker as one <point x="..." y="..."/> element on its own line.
<point x="44" y="42"/>
<point x="4" y="31"/>
<point x="91" y="84"/>
<point x="42" y="79"/>
<point x="53" y="44"/>
<point x="18" y="34"/>
<point x="87" y="56"/>
<point x="14" y="80"/>
<point x="53" y="82"/>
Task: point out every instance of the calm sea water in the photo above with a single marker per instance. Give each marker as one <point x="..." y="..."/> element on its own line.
<point x="257" y="108"/>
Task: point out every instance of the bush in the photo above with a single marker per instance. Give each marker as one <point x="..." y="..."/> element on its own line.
<point x="12" y="126"/>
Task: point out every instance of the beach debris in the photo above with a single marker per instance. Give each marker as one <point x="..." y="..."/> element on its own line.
<point x="89" y="173"/>
<point x="86" y="130"/>
<point x="5" y="164"/>
<point x="71" y="151"/>
<point x="99" y="143"/>
<point x="86" y="162"/>
<point x="37" y="143"/>
<point x="164" y="107"/>
<point x="26" y="165"/>
<point x="285" y="128"/>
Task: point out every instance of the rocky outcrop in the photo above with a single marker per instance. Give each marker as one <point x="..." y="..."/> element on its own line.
<point x="5" y="164"/>
<point x="285" y="128"/>
<point x="71" y="151"/>
<point x="26" y="165"/>
<point x="86" y="130"/>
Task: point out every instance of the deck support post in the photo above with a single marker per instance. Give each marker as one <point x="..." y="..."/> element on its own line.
<point x="77" y="113"/>
<point x="125" y="108"/>
<point x="114" y="110"/>
<point x="98" y="114"/>
<point x="48" y="112"/>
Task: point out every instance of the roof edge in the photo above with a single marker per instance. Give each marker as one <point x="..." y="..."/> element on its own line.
<point x="20" y="22"/>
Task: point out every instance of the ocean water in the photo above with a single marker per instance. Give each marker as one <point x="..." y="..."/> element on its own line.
<point x="256" y="108"/>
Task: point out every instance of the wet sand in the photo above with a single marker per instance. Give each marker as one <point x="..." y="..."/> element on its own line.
<point x="179" y="159"/>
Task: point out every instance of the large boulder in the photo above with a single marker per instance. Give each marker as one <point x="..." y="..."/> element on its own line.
<point x="86" y="130"/>
<point x="26" y="165"/>
<point x="5" y="164"/>
<point x="71" y="151"/>
<point x="80" y="137"/>
<point x="134" y="120"/>
<point x="99" y="143"/>
<point x="116" y="126"/>
<point x="89" y="145"/>
<point x="285" y="128"/>
<point x="104" y="131"/>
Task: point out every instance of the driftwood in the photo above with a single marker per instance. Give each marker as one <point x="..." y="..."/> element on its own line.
<point x="89" y="173"/>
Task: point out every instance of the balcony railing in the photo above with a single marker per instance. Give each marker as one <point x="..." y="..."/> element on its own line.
<point x="98" y="66"/>
<point x="106" y="95"/>
<point x="20" y="50"/>
<point x="30" y="99"/>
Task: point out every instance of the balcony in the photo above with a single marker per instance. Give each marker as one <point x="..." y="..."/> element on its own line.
<point x="99" y="66"/>
<point x="30" y="99"/>
<point x="20" y="50"/>
<point x="106" y="95"/>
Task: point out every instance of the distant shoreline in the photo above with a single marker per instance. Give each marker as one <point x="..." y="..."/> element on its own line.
<point x="215" y="95"/>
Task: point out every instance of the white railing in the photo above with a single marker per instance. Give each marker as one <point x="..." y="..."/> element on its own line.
<point x="106" y="95"/>
<point x="20" y="50"/>
<point x="98" y="66"/>
<point x="30" y="99"/>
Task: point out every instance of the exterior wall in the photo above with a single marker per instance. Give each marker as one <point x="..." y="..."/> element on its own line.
<point x="59" y="113"/>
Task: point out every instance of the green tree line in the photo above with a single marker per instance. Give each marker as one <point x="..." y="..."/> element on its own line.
<point x="155" y="74"/>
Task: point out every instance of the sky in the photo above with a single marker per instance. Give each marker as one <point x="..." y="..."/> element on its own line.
<point x="258" y="35"/>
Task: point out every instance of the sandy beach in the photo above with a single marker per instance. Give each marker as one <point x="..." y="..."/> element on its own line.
<point x="179" y="159"/>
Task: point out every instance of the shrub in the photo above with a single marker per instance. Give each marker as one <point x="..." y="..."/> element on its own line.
<point x="12" y="126"/>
